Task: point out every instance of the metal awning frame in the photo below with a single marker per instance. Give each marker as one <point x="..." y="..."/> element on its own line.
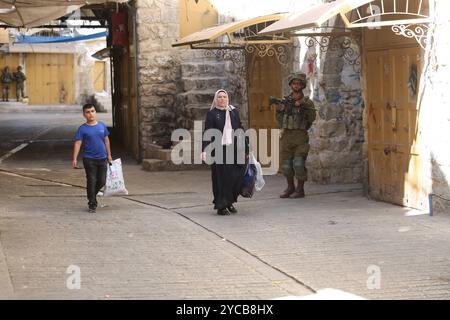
<point x="222" y="41"/>
<point x="377" y="9"/>
<point x="235" y="35"/>
<point x="343" y="42"/>
<point x="415" y="24"/>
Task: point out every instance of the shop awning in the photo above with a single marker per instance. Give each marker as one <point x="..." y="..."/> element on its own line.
<point x="355" y="13"/>
<point x="26" y="13"/>
<point x="41" y="39"/>
<point x="234" y="35"/>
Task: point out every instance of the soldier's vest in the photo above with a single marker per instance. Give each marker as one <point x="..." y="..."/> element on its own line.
<point x="294" y="118"/>
<point x="6" y="78"/>
<point x="20" y="77"/>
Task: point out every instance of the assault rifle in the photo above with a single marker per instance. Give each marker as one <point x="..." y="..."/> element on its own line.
<point x="286" y="100"/>
<point x="278" y="101"/>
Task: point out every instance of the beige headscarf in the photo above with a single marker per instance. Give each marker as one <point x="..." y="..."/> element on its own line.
<point x="227" y="135"/>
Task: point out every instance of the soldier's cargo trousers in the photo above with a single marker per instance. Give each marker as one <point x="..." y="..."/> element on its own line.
<point x="20" y="93"/>
<point x="294" y="151"/>
<point x="5" y="92"/>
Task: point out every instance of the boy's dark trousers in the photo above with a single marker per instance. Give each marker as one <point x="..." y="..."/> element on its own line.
<point x="96" y="178"/>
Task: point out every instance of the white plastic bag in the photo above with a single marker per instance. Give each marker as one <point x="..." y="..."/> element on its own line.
<point x="114" y="180"/>
<point x="259" y="184"/>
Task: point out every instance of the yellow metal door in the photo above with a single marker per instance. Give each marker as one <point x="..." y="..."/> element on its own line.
<point x="406" y="69"/>
<point x="196" y="16"/>
<point x="264" y="81"/>
<point x="47" y="74"/>
<point x="98" y="76"/>
<point x="395" y="167"/>
<point x="11" y="61"/>
<point x="379" y="136"/>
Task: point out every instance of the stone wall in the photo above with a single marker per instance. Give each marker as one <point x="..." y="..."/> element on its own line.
<point x="176" y="84"/>
<point x="435" y="112"/>
<point x="159" y="69"/>
<point x="174" y="90"/>
<point x="202" y="74"/>
<point x="337" y="136"/>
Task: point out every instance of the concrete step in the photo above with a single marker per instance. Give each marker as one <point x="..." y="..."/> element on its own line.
<point x="157" y="152"/>
<point x="18" y="107"/>
<point x="200" y="69"/>
<point x="162" y="165"/>
<point x="204" y="83"/>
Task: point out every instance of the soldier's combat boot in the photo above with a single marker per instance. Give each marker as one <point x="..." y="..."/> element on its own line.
<point x="290" y="188"/>
<point x="299" y="191"/>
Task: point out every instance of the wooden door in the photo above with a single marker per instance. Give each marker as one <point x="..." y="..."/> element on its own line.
<point x="395" y="166"/>
<point x="47" y="74"/>
<point x="124" y="89"/>
<point x="264" y="81"/>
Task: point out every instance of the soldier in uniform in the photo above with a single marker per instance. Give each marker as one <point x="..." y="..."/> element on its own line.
<point x="295" y="115"/>
<point x="6" y="79"/>
<point x="20" y="78"/>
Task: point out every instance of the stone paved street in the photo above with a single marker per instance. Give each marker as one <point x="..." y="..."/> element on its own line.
<point x="164" y="241"/>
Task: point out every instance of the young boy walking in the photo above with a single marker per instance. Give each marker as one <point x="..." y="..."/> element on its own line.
<point x="93" y="136"/>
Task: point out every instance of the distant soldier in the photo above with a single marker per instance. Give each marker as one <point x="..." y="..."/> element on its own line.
<point x="20" y="78"/>
<point x="6" y="79"/>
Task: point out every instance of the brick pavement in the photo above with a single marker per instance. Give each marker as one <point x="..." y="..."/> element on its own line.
<point x="165" y="242"/>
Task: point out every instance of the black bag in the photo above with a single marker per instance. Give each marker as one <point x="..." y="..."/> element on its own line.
<point x="248" y="183"/>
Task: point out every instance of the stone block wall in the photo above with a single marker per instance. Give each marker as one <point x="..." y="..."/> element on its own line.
<point x="159" y="69"/>
<point x="337" y="136"/>
<point x="435" y="112"/>
<point x="171" y="97"/>
<point x="176" y="85"/>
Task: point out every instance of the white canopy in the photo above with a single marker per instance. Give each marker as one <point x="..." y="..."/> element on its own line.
<point x="26" y="13"/>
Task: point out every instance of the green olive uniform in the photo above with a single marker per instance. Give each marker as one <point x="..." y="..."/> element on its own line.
<point x="6" y="79"/>
<point x="20" y="78"/>
<point x="295" y="122"/>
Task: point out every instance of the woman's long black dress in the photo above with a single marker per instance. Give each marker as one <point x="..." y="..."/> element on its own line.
<point x="226" y="178"/>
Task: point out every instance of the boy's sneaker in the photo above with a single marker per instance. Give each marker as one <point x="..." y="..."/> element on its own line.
<point x="92" y="209"/>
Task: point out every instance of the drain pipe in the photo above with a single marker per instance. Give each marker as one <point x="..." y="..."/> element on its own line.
<point x="430" y="200"/>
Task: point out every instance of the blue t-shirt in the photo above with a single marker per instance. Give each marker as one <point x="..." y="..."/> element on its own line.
<point x="93" y="138"/>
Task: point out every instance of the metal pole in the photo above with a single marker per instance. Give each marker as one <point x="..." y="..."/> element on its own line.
<point x="430" y="201"/>
<point x="137" y="79"/>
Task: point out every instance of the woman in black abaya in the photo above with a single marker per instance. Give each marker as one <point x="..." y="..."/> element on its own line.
<point x="226" y="176"/>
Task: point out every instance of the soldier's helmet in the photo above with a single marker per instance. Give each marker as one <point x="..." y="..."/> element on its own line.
<point x="298" y="76"/>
